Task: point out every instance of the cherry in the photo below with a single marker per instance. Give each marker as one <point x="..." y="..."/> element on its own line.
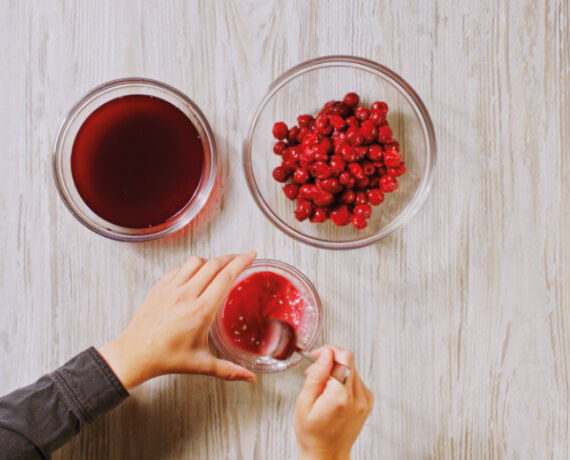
<point x="344" y="178"/>
<point x="356" y="170"/>
<point x="354" y="136"/>
<point x="279" y="147"/>
<point x="337" y="122"/>
<point x="347" y="197"/>
<point x="361" y="152"/>
<point x="360" y="198"/>
<point x="280" y="174"/>
<point x="303" y="134"/>
<point x="368" y="168"/>
<point x="395" y="172"/>
<point x="295" y="152"/>
<point x="363" y="182"/>
<point x="340" y="108"/>
<point x="375" y="152"/>
<point x="363" y="210"/>
<point x="362" y="113"/>
<point x="379" y="107"/>
<point x="369" y="131"/>
<point x="319" y="215"/>
<point x="303" y="210"/>
<point x="337" y="164"/>
<point x="323" y="125"/>
<point x="358" y="222"/>
<point x="340" y="215"/>
<point x="304" y="121"/>
<point x="280" y="130"/>
<point x="392" y="144"/>
<point x="384" y="133"/>
<point x="321" y="198"/>
<point x="330" y="185"/>
<point x="321" y="170"/>
<point x="291" y="191"/>
<point x="375" y="196"/>
<point x="301" y="176"/>
<point x="348" y="153"/>
<point x="289" y="165"/>
<point x="351" y="99"/>
<point x="307" y="192"/>
<point x="392" y="158"/>
<point x="377" y="118"/>
<point x="388" y="184"/>
<point x="353" y="122"/>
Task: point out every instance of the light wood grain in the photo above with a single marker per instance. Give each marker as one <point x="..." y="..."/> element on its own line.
<point x="460" y="322"/>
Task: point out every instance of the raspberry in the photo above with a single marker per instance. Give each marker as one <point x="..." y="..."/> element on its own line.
<point x="279" y="147"/>
<point x="280" y="130"/>
<point x="388" y="184"/>
<point x="303" y="210"/>
<point x="300" y="176"/>
<point x="340" y="215"/>
<point x="351" y="99"/>
<point x="375" y="196"/>
<point x="291" y="191"/>
<point x="358" y="222"/>
<point x="363" y="210"/>
<point x="280" y="174"/>
<point x="319" y="215"/>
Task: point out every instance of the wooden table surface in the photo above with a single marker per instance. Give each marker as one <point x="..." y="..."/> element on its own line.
<point x="459" y="322"/>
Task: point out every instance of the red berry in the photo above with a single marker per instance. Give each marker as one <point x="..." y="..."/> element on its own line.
<point x="319" y="215"/>
<point x="304" y="120"/>
<point x="379" y="107"/>
<point x="351" y="99"/>
<point x="354" y="136"/>
<point x="388" y="184"/>
<point x="320" y="170"/>
<point x="307" y="192"/>
<point x="347" y="197"/>
<point x="362" y="113"/>
<point x="280" y="130"/>
<point x="374" y="181"/>
<point x="292" y="135"/>
<point x="344" y="178"/>
<point x="289" y="164"/>
<point x="392" y="158"/>
<point x="361" y="152"/>
<point x="358" y="222"/>
<point x="280" y="174"/>
<point x="369" y="131"/>
<point x="308" y="155"/>
<point x="340" y="108"/>
<point x="321" y="198"/>
<point x="363" y="210"/>
<point x="330" y="185"/>
<point x="294" y="153"/>
<point x="377" y="118"/>
<point x="375" y="152"/>
<point x="375" y="196"/>
<point x="392" y="144"/>
<point x="337" y="164"/>
<point x="279" y="147"/>
<point x="301" y="176"/>
<point x="381" y="170"/>
<point x="337" y="121"/>
<point x="340" y="215"/>
<point x="348" y="153"/>
<point x="303" y="210"/>
<point x="398" y="171"/>
<point x="356" y="170"/>
<point x="368" y="168"/>
<point x="384" y="133"/>
<point x="291" y="191"/>
<point x="303" y="134"/>
<point x="363" y="183"/>
<point x="323" y="125"/>
<point x="353" y="122"/>
<point x="325" y="146"/>
<point x="360" y="198"/>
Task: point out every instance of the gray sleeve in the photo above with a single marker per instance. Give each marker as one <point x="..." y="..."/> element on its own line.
<point x="37" y="419"/>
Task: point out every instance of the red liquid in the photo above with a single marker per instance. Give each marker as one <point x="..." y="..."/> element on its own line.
<point x="260" y="296"/>
<point x="137" y="161"/>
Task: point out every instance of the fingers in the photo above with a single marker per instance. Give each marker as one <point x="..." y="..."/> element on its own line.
<point x="317" y="376"/>
<point x="221" y="285"/>
<point x="230" y="371"/>
<point x="204" y="276"/>
<point x="347" y="358"/>
<point x="168" y="276"/>
<point x="190" y="267"/>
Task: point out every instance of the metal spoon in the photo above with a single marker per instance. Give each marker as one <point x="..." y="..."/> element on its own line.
<point x="280" y="342"/>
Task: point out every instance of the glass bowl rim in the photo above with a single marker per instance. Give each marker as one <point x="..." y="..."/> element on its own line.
<point x="304" y="280"/>
<point x="186" y="214"/>
<point x="409" y="95"/>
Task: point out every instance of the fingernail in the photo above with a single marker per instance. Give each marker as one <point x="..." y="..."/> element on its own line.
<point x="252" y="255"/>
<point x="325" y="356"/>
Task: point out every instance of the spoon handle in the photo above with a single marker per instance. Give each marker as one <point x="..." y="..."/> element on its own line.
<point x="339" y="371"/>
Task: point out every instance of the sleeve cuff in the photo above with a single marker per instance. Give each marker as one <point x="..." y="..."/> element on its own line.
<point x="89" y="385"/>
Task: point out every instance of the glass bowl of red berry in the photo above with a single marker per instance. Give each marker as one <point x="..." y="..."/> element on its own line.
<point x="340" y="152"/>
<point x="135" y="160"/>
<point x="266" y="290"/>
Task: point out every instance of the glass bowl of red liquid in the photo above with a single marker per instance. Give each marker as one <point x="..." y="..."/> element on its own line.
<point x="266" y="289"/>
<point x="304" y="89"/>
<point x="135" y="160"/>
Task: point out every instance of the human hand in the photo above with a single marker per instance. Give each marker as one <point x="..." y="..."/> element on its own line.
<point x="329" y="416"/>
<point x="169" y="332"/>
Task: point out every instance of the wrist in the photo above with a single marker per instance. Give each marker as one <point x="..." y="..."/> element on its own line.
<point x="124" y="362"/>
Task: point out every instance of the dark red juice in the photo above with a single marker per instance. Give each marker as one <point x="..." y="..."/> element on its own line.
<point x="137" y="161"/>
<point x="258" y="297"/>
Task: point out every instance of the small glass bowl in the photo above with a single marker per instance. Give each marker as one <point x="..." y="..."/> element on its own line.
<point x="64" y="145"/>
<point x="307" y="332"/>
<point x="304" y="89"/>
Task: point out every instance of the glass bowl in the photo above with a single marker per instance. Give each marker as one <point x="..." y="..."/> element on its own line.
<point x="64" y="144"/>
<point x="307" y="333"/>
<point x="304" y="89"/>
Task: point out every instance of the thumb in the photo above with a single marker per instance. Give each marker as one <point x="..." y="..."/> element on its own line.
<point x="230" y="371"/>
<point x="317" y="376"/>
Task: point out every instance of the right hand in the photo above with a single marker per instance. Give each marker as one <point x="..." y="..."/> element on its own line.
<point x="329" y="416"/>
